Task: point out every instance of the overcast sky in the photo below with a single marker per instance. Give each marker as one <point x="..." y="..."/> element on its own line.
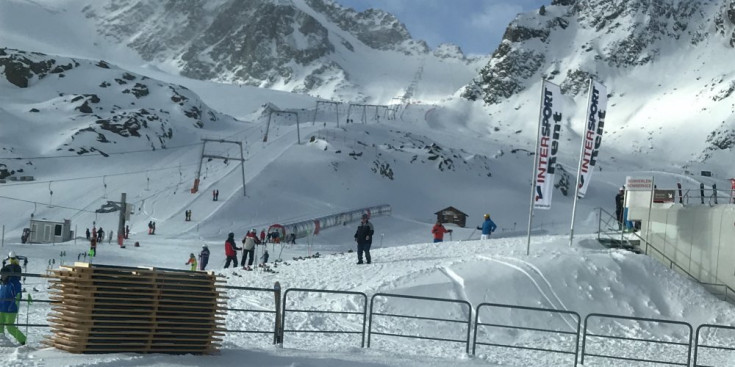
<point x="475" y="25"/>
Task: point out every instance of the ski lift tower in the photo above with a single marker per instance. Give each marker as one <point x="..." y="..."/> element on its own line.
<point x="201" y="161"/>
<point x="270" y="114"/>
<point x="316" y="110"/>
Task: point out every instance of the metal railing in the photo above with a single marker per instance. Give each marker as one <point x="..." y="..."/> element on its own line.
<point x="726" y="351"/>
<point x="728" y="294"/>
<point x="609" y="229"/>
<point x="666" y="349"/>
<point x="604" y="221"/>
<point x="425" y="318"/>
<point x="547" y="331"/>
<point x="273" y="312"/>
<point x="362" y="313"/>
<point x="637" y="346"/>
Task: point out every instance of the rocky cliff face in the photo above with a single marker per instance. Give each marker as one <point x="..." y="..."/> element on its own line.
<point x="256" y="42"/>
<point x="619" y="34"/>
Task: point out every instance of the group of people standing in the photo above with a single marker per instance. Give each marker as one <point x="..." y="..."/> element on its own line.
<point x="203" y="259"/>
<point x="487" y="227"/>
<point x="248" y="249"/>
<point x="97" y="234"/>
<point x="151" y="227"/>
<point x="363" y="237"/>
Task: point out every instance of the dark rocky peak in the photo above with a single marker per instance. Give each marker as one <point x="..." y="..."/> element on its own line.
<point x="255" y="42"/>
<point x="624" y="34"/>
<point x="373" y="27"/>
<point x="22" y="68"/>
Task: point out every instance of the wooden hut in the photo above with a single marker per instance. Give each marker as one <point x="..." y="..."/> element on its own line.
<point x="451" y="215"/>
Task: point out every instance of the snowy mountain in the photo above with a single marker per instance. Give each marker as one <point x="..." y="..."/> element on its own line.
<point x="93" y="108"/>
<point x="300" y="46"/>
<point x="89" y="120"/>
<point x="171" y="119"/>
<point x="667" y="65"/>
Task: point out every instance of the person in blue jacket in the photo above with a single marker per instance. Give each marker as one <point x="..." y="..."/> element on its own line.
<point x="10" y="295"/>
<point x="488" y="227"/>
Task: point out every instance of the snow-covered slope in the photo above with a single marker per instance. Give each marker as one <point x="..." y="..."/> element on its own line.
<point x="433" y="155"/>
<point x="667" y="66"/>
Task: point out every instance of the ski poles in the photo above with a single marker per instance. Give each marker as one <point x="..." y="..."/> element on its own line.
<point x="279" y="253"/>
<point x="470" y="236"/>
<point x="28" y="311"/>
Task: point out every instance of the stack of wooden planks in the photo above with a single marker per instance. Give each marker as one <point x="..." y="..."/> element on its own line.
<point x="115" y="309"/>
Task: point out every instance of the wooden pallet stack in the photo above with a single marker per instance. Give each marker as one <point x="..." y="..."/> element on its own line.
<point x="114" y="309"/>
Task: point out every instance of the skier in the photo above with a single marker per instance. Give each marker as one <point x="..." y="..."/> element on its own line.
<point x="488" y="227"/>
<point x="109" y="238"/>
<point x="192" y="261"/>
<point x="203" y="257"/>
<point x="127" y="231"/>
<point x="364" y="238"/>
<point x="262" y="235"/>
<point x="248" y="248"/>
<point x="11" y="293"/>
<point x="93" y="247"/>
<point x="154" y="228"/>
<point x="438" y="230"/>
<point x="231" y="250"/>
<point x="619" y="207"/>
<point x="101" y="235"/>
<point x="264" y="257"/>
<point x="150" y="227"/>
<point x="87" y="233"/>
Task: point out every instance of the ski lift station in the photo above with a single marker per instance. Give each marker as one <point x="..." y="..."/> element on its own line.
<point x="691" y="233"/>
<point x="47" y="231"/>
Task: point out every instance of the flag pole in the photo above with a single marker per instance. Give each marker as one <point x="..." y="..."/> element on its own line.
<point x="535" y="168"/>
<point x="579" y="167"/>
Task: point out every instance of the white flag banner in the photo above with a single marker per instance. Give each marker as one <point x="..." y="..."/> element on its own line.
<point x="595" y="124"/>
<point x="548" y="144"/>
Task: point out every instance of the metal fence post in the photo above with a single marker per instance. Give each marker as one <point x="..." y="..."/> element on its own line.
<point x="278" y="333"/>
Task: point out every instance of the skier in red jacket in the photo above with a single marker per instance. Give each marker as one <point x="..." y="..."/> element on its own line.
<point x="231" y="250"/>
<point x="438" y="230"/>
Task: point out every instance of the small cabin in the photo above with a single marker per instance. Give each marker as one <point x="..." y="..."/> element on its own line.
<point x="47" y="231"/>
<point x="451" y="215"/>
